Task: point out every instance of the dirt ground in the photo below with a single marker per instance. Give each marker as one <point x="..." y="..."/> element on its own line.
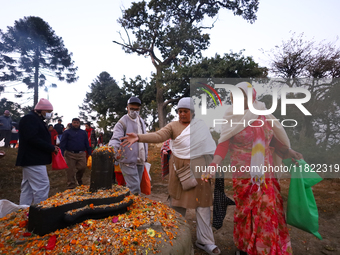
<point x="326" y="194"/>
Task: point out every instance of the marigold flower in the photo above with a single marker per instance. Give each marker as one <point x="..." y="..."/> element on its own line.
<point x="150" y="232"/>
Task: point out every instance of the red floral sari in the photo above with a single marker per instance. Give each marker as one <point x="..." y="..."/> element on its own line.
<point x="259" y="221"/>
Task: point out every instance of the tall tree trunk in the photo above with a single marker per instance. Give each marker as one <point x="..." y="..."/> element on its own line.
<point x="36" y="78"/>
<point x="36" y="87"/>
<point x="160" y="108"/>
<point x="160" y="98"/>
<point x="309" y="127"/>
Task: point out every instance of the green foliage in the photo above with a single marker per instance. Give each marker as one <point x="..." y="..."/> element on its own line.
<point x="232" y="65"/>
<point x="171" y="31"/>
<point x="177" y="81"/>
<point x="145" y="91"/>
<point x="105" y="103"/>
<point x="17" y="112"/>
<point x="40" y="50"/>
<point x="14" y="108"/>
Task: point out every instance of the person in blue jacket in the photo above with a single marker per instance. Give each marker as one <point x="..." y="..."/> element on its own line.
<point x="35" y="152"/>
<point x="74" y="142"/>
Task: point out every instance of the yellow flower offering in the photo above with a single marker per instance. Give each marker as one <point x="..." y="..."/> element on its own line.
<point x="150" y="232"/>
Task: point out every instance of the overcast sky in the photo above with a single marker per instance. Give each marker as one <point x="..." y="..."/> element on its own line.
<point x="89" y="27"/>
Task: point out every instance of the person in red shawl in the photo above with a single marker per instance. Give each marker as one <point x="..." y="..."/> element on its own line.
<point x="53" y="133"/>
<point x="91" y="135"/>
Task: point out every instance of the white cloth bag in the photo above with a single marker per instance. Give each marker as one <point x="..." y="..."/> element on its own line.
<point x="7" y="207"/>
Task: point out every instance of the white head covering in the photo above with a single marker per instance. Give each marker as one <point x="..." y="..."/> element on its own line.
<point x="186" y="102"/>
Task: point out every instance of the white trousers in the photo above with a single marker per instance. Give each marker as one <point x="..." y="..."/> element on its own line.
<point x="35" y="185"/>
<point x="204" y="231"/>
<point x="133" y="175"/>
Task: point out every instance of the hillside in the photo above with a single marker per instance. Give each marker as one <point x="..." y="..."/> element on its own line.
<point x="326" y="195"/>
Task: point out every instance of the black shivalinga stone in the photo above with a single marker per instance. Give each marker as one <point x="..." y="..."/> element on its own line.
<point x="45" y="220"/>
<point x="102" y="168"/>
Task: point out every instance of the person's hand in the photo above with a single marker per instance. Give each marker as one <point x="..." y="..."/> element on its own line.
<point x="119" y="154"/>
<point x="294" y="155"/>
<point x="165" y="152"/>
<point x="210" y="172"/>
<point x="130" y="138"/>
<point x="56" y="149"/>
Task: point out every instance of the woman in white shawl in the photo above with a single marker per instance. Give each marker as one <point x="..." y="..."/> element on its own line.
<point x="191" y="143"/>
<point x="259" y="221"/>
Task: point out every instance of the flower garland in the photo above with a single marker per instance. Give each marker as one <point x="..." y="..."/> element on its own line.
<point x="143" y="229"/>
<point x="81" y="193"/>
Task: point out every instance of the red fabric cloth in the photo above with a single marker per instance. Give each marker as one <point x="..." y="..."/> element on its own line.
<point x="89" y="131"/>
<point x="54" y="135"/>
<point x="100" y="139"/>
<point x="222" y="149"/>
<point x="145" y="185"/>
<point x="120" y="178"/>
<point x="165" y="158"/>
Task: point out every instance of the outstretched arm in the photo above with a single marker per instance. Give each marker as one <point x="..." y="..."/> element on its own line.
<point x="130" y="139"/>
<point x="155" y="137"/>
<point x="284" y="151"/>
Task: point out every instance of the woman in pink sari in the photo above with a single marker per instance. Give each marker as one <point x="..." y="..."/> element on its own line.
<point x="259" y="221"/>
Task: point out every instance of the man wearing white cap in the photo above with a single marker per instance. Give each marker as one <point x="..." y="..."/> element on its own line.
<point x="35" y="152"/>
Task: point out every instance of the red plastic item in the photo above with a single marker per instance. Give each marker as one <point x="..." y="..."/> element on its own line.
<point x="50" y="244"/>
<point x="145" y="185"/>
<point x="120" y="179"/>
<point x="58" y="161"/>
